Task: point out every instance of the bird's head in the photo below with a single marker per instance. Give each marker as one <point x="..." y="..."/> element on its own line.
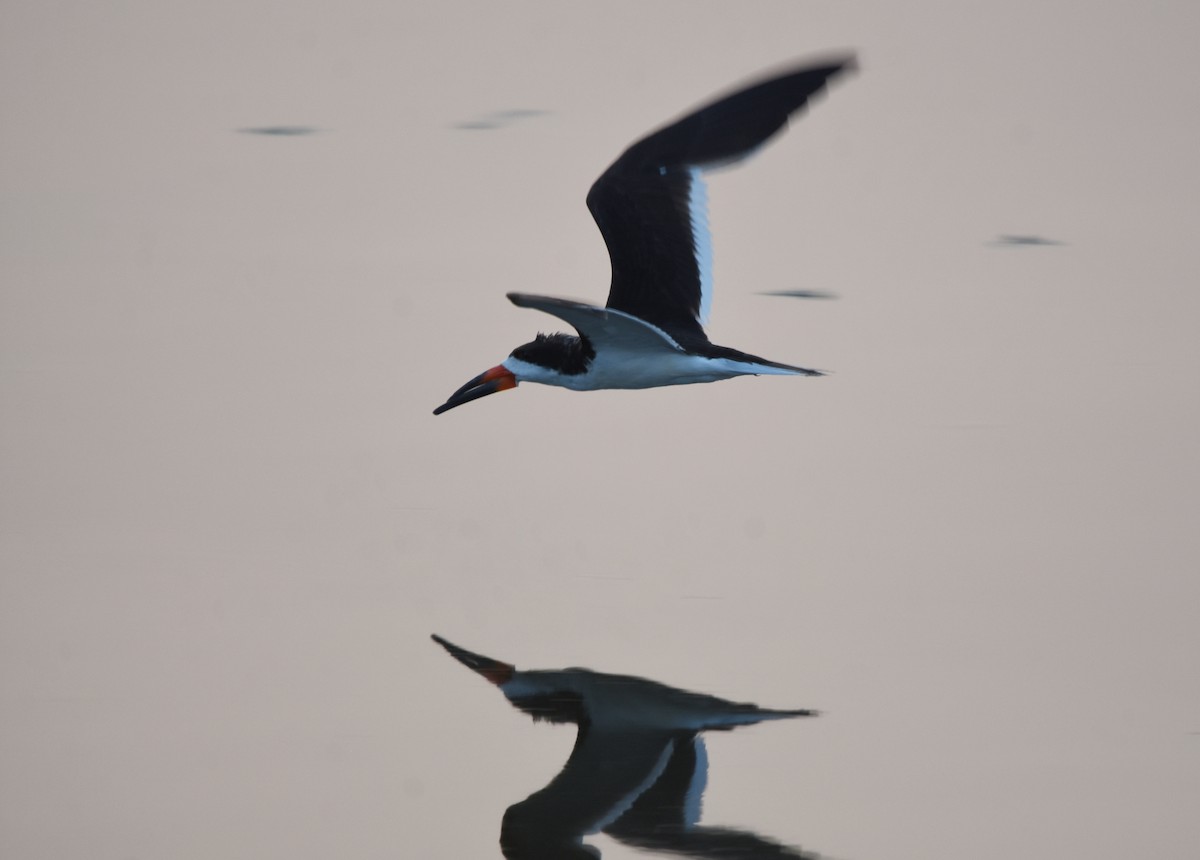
<point x="498" y="378"/>
<point x="552" y="359"/>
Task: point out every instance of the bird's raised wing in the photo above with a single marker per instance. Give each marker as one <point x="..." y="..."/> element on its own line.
<point x="651" y="206"/>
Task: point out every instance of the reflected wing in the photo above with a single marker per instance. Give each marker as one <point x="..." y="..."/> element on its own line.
<point x="651" y="205"/>
<point x="605" y="774"/>
<point x="600" y="325"/>
<point x="674" y="801"/>
<point x="663" y="818"/>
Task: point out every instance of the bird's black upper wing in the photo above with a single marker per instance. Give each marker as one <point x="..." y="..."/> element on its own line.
<point x="651" y="205"/>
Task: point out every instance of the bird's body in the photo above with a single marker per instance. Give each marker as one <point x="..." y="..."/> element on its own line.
<point x="636" y="354"/>
<point x="651" y="208"/>
<point x="638" y="768"/>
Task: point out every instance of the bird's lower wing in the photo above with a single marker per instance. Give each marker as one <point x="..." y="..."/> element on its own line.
<point x="606" y="326"/>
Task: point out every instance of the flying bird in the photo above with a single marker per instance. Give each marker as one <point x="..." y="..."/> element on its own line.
<point x="638" y="768"/>
<point x="651" y="208"/>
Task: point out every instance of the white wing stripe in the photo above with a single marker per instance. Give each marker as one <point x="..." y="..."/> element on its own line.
<point x="701" y="240"/>
<point x="622" y="806"/>
<point x="695" y="790"/>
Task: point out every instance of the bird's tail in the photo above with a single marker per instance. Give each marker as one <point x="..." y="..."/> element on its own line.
<point x="748" y="715"/>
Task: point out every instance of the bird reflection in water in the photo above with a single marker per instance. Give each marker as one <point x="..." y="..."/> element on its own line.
<point x="637" y="771"/>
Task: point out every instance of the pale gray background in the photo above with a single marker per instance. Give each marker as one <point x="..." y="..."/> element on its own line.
<point x="230" y="522"/>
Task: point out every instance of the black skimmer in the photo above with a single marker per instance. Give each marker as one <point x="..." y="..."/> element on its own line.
<point x="651" y="208"/>
<point x="638" y="768"/>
